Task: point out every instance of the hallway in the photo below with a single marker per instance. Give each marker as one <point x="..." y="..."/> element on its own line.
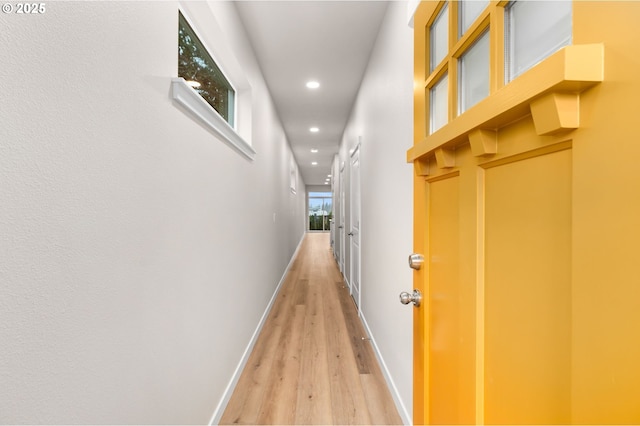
<point x="312" y="363"/>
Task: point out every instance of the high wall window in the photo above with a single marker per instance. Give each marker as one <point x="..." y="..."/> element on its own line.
<point x="474" y="47"/>
<point x="215" y="93"/>
<point x="201" y="72"/>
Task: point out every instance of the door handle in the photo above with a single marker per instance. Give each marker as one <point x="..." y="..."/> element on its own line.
<point x="340" y="227"/>
<point x="415" y="297"/>
<point x="350" y="234"/>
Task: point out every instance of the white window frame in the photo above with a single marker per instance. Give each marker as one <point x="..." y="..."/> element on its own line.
<point x="194" y="105"/>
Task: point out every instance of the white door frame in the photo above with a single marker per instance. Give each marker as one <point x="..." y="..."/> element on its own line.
<point x="355" y="228"/>
<point x="341" y="220"/>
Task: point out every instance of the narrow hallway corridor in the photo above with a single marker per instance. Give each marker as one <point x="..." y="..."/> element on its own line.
<point x="312" y="363"/>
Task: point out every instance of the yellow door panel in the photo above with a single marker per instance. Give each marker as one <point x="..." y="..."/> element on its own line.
<point x="444" y="300"/>
<point x="528" y="291"/>
<point x="451" y="290"/>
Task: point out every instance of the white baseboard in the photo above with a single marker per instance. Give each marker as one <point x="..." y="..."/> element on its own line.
<point x="402" y="409"/>
<point x="226" y="396"/>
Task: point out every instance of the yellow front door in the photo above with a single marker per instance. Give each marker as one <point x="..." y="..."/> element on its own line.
<point x="502" y="215"/>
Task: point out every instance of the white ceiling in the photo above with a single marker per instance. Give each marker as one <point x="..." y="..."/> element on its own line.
<point x="326" y="41"/>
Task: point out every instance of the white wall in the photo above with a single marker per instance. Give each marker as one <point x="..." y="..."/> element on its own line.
<point x="137" y="251"/>
<point x="382" y="118"/>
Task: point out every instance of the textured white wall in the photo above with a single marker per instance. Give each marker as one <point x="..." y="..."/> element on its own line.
<point x="137" y="252"/>
<point x="383" y="117"/>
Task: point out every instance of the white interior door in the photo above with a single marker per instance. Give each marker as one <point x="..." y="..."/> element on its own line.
<point x="354" y="233"/>
<point x="341" y="221"/>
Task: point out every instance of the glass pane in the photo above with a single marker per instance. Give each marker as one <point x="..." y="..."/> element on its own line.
<point x="439" y="38"/>
<point x="315" y="214"/>
<point x="328" y="209"/>
<point x="468" y="12"/>
<point x="328" y="206"/>
<point x="320" y="212"/>
<point x="438" y="104"/>
<point x="474" y="73"/>
<point x="198" y="68"/>
<point x="535" y="30"/>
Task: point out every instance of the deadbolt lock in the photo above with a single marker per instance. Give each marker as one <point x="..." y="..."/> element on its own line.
<point x="415" y="261"/>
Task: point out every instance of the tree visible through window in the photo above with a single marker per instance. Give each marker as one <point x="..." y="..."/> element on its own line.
<point x="198" y="68"/>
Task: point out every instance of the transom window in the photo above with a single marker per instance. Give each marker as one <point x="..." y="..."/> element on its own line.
<point x="496" y="42"/>
<point x="468" y="12"/>
<point x="474" y="73"/>
<point x="439" y="36"/>
<point x="534" y="30"/>
<point x="439" y="103"/>
<point x="201" y="72"/>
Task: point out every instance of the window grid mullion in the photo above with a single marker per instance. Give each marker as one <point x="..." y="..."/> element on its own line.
<point x="452" y="62"/>
<point x="496" y="50"/>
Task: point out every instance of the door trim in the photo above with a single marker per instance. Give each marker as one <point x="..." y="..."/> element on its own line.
<point x="342" y="221"/>
<point x="356" y="151"/>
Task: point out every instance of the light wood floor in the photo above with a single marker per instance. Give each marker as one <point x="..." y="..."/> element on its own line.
<point x="312" y="363"/>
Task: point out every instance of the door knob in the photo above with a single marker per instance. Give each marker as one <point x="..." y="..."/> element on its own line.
<point x="415" y="261"/>
<point x="415" y="297"/>
<point x="350" y="234"/>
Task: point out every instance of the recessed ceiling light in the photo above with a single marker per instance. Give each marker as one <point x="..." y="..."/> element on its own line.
<point x="326" y="183"/>
<point x="314" y="150"/>
<point x="314" y="130"/>
<point x="313" y="84"/>
<point x="328" y="175"/>
<point x="315" y="163"/>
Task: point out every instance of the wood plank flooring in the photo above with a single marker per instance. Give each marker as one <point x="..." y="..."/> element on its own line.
<point x="312" y="363"/>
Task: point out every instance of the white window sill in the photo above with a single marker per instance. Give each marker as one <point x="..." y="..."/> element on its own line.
<point x="198" y="108"/>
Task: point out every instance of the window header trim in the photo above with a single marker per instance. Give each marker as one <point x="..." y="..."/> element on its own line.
<point x="572" y="69"/>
